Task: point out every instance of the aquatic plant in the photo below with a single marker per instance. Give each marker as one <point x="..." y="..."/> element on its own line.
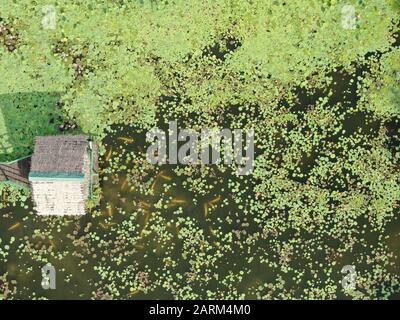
<point x="322" y="99"/>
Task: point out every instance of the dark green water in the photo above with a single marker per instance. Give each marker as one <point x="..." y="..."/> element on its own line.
<point x="121" y="196"/>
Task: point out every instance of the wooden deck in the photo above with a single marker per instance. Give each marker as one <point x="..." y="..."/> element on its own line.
<point x="16" y="172"/>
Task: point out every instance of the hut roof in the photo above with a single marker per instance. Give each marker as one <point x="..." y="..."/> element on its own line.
<point x="59" y="156"/>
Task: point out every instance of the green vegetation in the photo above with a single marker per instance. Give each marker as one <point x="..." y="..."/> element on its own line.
<point x="23" y="116"/>
<point x="324" y="103"/>
<point x="12" y="194"/>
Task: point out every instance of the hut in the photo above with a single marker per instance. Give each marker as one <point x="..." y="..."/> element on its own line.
<point x="61" y="174"/>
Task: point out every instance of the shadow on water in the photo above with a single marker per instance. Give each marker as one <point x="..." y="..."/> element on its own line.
<point x="24" y="116"/>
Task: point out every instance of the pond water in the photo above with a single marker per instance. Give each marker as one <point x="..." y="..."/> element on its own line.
<point x="127" y="188"/>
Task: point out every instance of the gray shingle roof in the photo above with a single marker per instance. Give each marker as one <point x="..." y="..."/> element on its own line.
<point x="59" y="154"/>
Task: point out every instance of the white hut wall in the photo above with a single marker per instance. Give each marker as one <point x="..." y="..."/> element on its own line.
<point x="59" y="197"/>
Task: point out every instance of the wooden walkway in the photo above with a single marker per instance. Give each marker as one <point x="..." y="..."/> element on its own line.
<point x="16" y="172"/>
